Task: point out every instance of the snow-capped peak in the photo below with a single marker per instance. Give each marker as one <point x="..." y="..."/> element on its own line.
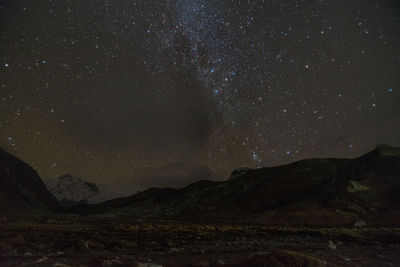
<point x="69" y="188"/>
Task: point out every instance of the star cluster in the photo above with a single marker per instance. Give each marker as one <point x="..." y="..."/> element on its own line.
<point x="112" y="89"/>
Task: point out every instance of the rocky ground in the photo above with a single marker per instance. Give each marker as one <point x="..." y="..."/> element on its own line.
<point x="98" y="241"/>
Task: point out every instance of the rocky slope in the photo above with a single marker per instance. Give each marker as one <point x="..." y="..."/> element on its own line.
<point x="307" y="192"/>
<point x="21" y="188"/>
<point x="359" y="191"/>
<point x="70" y="190"/>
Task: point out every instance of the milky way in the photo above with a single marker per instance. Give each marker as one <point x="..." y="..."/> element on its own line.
<point x="162" y="93"/>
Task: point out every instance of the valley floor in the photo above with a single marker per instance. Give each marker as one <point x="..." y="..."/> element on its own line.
<point x="98" y="241"/>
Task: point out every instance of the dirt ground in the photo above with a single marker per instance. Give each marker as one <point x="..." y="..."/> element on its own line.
<point x="98" y="241"/>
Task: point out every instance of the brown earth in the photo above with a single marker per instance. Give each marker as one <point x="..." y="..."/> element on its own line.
<point x="96" y="241"/>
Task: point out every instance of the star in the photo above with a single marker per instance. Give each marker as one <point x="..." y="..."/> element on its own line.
<point x="220" y="84"/>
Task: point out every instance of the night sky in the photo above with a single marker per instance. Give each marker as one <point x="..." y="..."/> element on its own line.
<point x="140" y="93"/>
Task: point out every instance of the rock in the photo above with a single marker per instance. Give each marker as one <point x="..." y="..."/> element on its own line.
<point x="111" y="262"/>
<point x="356" y="187"/>
<point x="283" y="258"/>
<point x="344" y="258"/>
<point x="174" y="250"/>
<point x="43" y="259"/>
<point x="202" y="264"/>
<point x="148" y="265"/>
<point x="360" y="223"/>
<point x="60" y="265"/>
<point x="331" y="245"/>
<point x="220" y="262"/>
<point x="28" y="254"/>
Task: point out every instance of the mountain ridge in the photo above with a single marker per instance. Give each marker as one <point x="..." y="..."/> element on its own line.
<point x="309" y="191"/>
<point x="306" y="192"/>
<point x="21" y="188"/>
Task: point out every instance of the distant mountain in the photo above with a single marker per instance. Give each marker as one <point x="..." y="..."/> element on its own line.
<point x="307" y="192"/>
<point x="174" y="174"/>
<point x="71" y="190"/>
<point x="21" y="188"/>
<point x="359" y="191"/>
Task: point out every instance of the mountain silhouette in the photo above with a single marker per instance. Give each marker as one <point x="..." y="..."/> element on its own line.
<point x="310" y="191"/>
<point x="331" y="191"/>
<point x="21" y="188"/>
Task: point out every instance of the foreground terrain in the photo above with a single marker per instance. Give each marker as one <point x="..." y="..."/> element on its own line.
<point x="96" y="241"/>
<point x="314" y="212"/>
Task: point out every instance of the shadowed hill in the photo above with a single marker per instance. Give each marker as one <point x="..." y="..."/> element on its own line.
<point x="21" y="188"/>
<point x="308" y="192"/>
<point x="311" y="191"/>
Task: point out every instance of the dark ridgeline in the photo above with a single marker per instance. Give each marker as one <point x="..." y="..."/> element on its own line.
<point x="308" y="192"/>
<point x="21" y="188"/>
